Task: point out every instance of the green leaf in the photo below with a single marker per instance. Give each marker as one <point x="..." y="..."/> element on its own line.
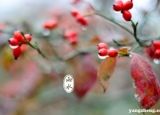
<point x="105" y="71"/>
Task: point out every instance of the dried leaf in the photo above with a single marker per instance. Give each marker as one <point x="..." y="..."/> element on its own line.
<point x="105" y="71"/>
<point x="125" y="41"/>
<point x="146" y="83"/>
<point x="124" y="50"/>
<point x="95" y="40"/>
<point x="7" y="60"/>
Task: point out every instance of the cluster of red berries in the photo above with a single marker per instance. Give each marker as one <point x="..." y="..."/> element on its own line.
<point x="104" y="51"/>
<point x="124" y="8"/>
<point x="50" y="24"/>
<point x="153" y="51"/>
<point x="17" y="41"/>
<point x="156" y="47"/>
<point x="71" y="36"/>
<point x="78" y="16"/>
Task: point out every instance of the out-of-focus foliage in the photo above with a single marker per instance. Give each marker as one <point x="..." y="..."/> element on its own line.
<point x="33" y="85"/>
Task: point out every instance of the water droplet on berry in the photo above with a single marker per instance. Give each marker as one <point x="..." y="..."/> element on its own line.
<point x="46" y="32"/>
<point x="102" y="57"/>
<point x="156" y="61"/>
<point x="84" y="28"/>
<point x="13" y="47"/>
<point x="117" y="11"/>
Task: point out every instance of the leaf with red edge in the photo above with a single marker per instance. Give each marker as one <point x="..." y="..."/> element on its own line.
<point x="105" y="71"/>
<point x="85" y="75"/>
<point x="147" y="87"/>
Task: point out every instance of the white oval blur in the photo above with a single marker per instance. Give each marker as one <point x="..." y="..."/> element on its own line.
<point x="68" y="83"/>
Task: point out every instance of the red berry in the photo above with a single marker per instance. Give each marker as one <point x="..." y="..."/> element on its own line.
<point x="74" y="13"/>
<point x="17" y="35"/>
<point x="113" y="53"/>
<point x="103" y="52"/>
<point x="156" y="44"/>
<point x="128" y="5"/>
<point x="28" y="37"/>
<point x="102" y="45"/>
<point x="127" y="15"/>
<point x="82" y="20"/>
<point x="17" y="52"/>
<point x="73" y="40"/>
<point x="13" y="42"/>
<point x="149" y="51"/>
<point x="118" y="5"/>
<point x="157" y="53"/>
<point x="70" y="34"/>
<point x="50" y="24"/>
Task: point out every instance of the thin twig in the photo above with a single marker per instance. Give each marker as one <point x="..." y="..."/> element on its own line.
<point x="36" y="47"/>
<point x="110" y="20"/>
<point x="134" y="26"/>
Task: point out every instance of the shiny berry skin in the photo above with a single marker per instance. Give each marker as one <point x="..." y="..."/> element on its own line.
<point x="157" y="53"/>
<point x="127" y="15"/>
<point x="17" y="35"/>
<point x="102" y="46"/>
<point x="103" y="52"/>
<point x="13" y="42"/>
<point x="127" y="5"/>
<point x="82" y="20"/>
<point x="51" y="24"/>
<point x="112" y="53"/>
<point x="118" y="5"/>
<point x="28" y="37"/>
<point x="156" y="44"/>
<point x="16" y="52"/>
<point x="74" y="13"/>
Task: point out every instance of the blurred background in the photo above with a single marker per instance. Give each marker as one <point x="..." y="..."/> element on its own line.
<point x="33" y="85"/>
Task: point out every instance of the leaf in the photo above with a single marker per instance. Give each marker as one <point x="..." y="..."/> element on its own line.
<point x="146" y="84"/>
<point x="124" y="50"/>
<point x="105" y="71"/>
<point x="85" y="75"/>
<point x="7" y="60"/>
<point x="95" y="40"/>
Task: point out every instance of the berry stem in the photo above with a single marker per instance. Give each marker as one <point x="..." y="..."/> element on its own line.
<point x="119" y="43"/>
<point x="134" y="26"/>
<point x="123" y="54"/>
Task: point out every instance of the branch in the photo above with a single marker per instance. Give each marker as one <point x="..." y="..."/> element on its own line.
<point x="36" y="47"/>
<point x="134" y="26"/>
<point x="110" y="20"/>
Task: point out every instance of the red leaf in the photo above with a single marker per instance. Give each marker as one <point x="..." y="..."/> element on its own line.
<point x="85" y="75"/>
<point x="105" y="71"/>
<point x="146" y="84"/>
